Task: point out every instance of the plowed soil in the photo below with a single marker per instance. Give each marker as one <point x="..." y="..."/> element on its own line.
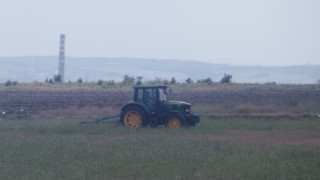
<point x="29" y="102"/>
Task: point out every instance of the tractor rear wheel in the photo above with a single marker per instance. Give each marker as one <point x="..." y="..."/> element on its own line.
<point x="175" y="121"/>
<point x="133" y="116"/>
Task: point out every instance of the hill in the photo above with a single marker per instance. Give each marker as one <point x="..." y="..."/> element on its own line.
<point x="38" y="68"/>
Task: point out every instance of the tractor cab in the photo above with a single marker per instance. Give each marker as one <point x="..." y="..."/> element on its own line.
<point x="151" y="107"/>
<point x="151" y="96"/>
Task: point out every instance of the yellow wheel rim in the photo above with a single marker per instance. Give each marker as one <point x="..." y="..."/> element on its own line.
<point x="132" y="119"/>
<point x="174" y="123"/>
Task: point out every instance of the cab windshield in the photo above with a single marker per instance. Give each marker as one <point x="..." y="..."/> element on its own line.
<point x="162" y="95"/>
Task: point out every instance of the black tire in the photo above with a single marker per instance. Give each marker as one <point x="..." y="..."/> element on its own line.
<point x="133" y="116"/>
<point x="175" y="120"/>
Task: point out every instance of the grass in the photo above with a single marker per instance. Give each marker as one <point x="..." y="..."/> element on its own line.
<point x="62" y="149"/>
<point x="206" y="126"/>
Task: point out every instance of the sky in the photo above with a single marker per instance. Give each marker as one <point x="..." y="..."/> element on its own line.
<point x="235" y="32"/>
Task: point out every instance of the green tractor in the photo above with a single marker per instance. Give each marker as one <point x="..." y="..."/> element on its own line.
<point x="151" y="107"/>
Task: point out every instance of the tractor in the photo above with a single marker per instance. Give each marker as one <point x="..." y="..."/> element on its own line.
<point x="151" y="107"/>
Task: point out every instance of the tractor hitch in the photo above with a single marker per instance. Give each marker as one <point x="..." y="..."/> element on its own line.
<point x="101" y="120"/>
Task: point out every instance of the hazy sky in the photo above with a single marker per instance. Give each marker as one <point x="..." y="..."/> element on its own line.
<point x="241" y="32"/>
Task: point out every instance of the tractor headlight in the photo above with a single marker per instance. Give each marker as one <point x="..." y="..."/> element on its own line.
<point x="187" y="110"/>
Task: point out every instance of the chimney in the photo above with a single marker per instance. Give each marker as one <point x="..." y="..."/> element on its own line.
<point x="61" y="57"/>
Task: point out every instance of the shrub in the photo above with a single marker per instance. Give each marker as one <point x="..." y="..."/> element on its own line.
<point x="226" y="78"/>
<point x="127" y="80"/>
<point x="207" y="81"/>
<point x="139" y="80"/>
<point x="79" y="80"/>
<point x="14" y="83"/>
<point x="8" y="83"/>
<point x="189" y="81"/>
<point x="11" y="83"/>
<point x="111" y="83"/>
<point x="57" y="78"/>
<point x="100" y="82"/>
<point x="173" y="80"/>
<point x="156" y="81"/>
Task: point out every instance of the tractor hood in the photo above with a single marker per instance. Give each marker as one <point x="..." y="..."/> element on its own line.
<point x="175" y="106"/>
<point x="177" y="103"/>
<point x="183" y="108"/>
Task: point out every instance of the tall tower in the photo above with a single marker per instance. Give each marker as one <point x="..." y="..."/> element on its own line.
<point x="61" y="57"/>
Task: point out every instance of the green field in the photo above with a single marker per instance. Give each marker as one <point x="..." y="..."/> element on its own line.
<point x="216" y="149"/>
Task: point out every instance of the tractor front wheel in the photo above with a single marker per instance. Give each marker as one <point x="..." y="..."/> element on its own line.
<point x="175" y="121"/>
<point x="133" y="116"/>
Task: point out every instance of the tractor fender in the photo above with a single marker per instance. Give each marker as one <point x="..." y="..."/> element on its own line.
<point x="140" y="105"/>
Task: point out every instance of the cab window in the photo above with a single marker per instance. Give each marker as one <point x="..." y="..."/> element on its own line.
<point x="140" y="95"/>
<point x="149" y="98"/>
<point x="162" y="95"/>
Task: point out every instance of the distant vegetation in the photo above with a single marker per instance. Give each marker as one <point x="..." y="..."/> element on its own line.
<point x="79" y="80"/>
<point x="56" y="79"/>
<point x="139" y="80"/>
<point x="189" y="81"/>
<point x="29" y="69"/>
<point x="173" y="80"/>
<point x="129" y="81"/>
<point x="226" y="78"/>
<point x="207" y="81"/>
<point x="11" y="83"/>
